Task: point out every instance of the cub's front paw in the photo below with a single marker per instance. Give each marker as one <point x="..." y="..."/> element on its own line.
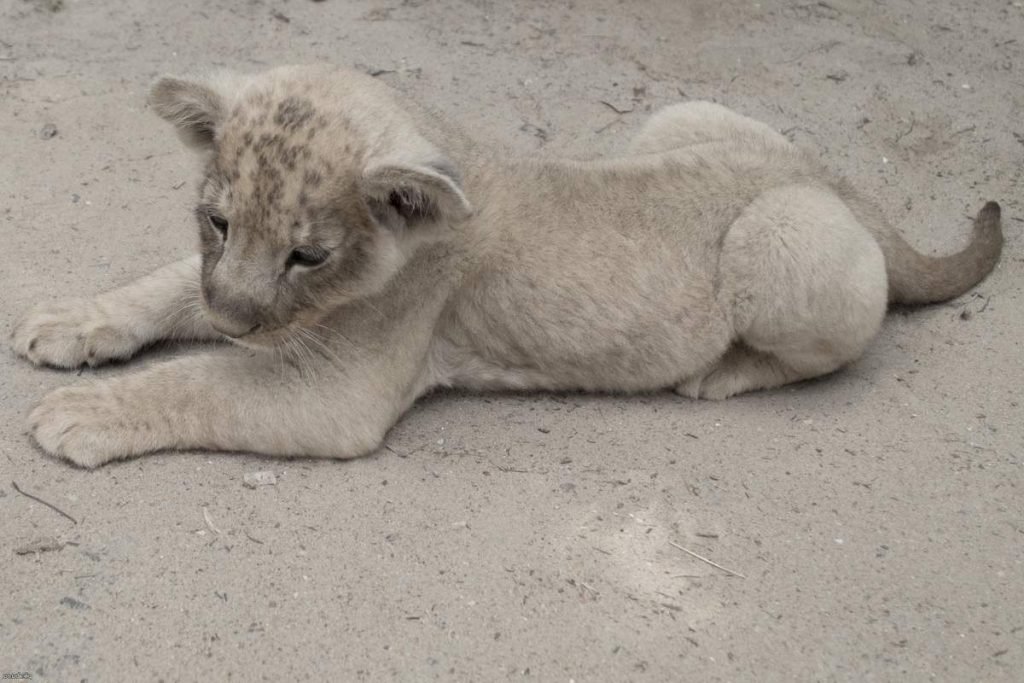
<point x="67" y="334"/>
<point x="86" y="424"/>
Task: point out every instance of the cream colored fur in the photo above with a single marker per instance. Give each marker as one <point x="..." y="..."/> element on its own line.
<point x="713" y="258"/>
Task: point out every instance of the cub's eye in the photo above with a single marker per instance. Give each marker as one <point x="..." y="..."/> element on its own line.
<point x="308" y="257"/>
<point x="220" y="224"/>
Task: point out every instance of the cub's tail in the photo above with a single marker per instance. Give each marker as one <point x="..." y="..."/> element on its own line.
<point x="915" y="278"/>
<point x="918" y="279"/>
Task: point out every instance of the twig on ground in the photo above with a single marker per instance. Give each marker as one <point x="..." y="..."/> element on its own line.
<point x="608" y="125"/>
<point x="39" y="545"/>
<point x="704" y="559"/>
<point x="40" y="500"/>
<point x="209" y="522"/>
<point x="504" y="468"/>
<point x="251" y="538"/>
<point x="616" y="109"/>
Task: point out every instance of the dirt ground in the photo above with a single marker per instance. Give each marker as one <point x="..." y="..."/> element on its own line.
<point x="877" y="515"/>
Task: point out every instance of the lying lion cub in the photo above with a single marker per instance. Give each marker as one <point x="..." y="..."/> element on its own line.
<point x="367" y="252"/>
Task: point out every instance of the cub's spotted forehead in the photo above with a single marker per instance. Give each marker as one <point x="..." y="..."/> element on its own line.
<point x="294" y="112"/>
<point x="280" y="152"/>
<point x="265" y="132"/>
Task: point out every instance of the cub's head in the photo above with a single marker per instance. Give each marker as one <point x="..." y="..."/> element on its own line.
<point x="317" y="188"/>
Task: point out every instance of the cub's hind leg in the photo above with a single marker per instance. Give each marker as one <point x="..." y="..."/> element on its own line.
<point x="807" y="286"/>
<point x="744" y="369"/>
<point x="694" y="123"/>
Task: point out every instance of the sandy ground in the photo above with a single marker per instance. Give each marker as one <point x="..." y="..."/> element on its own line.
<point x="877" y="515"/>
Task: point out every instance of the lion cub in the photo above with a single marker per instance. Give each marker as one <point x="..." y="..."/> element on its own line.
<point x="367" y="252"/>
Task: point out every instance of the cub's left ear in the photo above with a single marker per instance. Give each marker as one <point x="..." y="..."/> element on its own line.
<point x="404" y="195"/>
<point x="195" y="108"/>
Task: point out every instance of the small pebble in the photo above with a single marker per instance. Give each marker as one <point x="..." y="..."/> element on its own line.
<point x="48" y="131"/>
<point x="73" y="604"/>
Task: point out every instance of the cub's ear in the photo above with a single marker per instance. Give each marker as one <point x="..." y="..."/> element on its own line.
<point x="402" y="195"/>
<point x="195" y="108"/>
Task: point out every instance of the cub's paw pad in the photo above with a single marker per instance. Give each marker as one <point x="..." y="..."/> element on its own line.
<point x="67" y="334"/>
<point x="85" y="424"/>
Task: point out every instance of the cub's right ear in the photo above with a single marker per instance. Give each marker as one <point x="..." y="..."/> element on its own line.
<point x="195" y="108"/>
<point x="408" y="196"/>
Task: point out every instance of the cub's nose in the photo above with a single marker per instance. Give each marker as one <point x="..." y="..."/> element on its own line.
<point x="237" y="297"/>
<point x="233" y="328"/>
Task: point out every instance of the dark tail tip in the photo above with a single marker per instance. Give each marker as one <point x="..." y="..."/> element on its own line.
<point x="988" y="231"/>
<point x="990" y="211"/>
